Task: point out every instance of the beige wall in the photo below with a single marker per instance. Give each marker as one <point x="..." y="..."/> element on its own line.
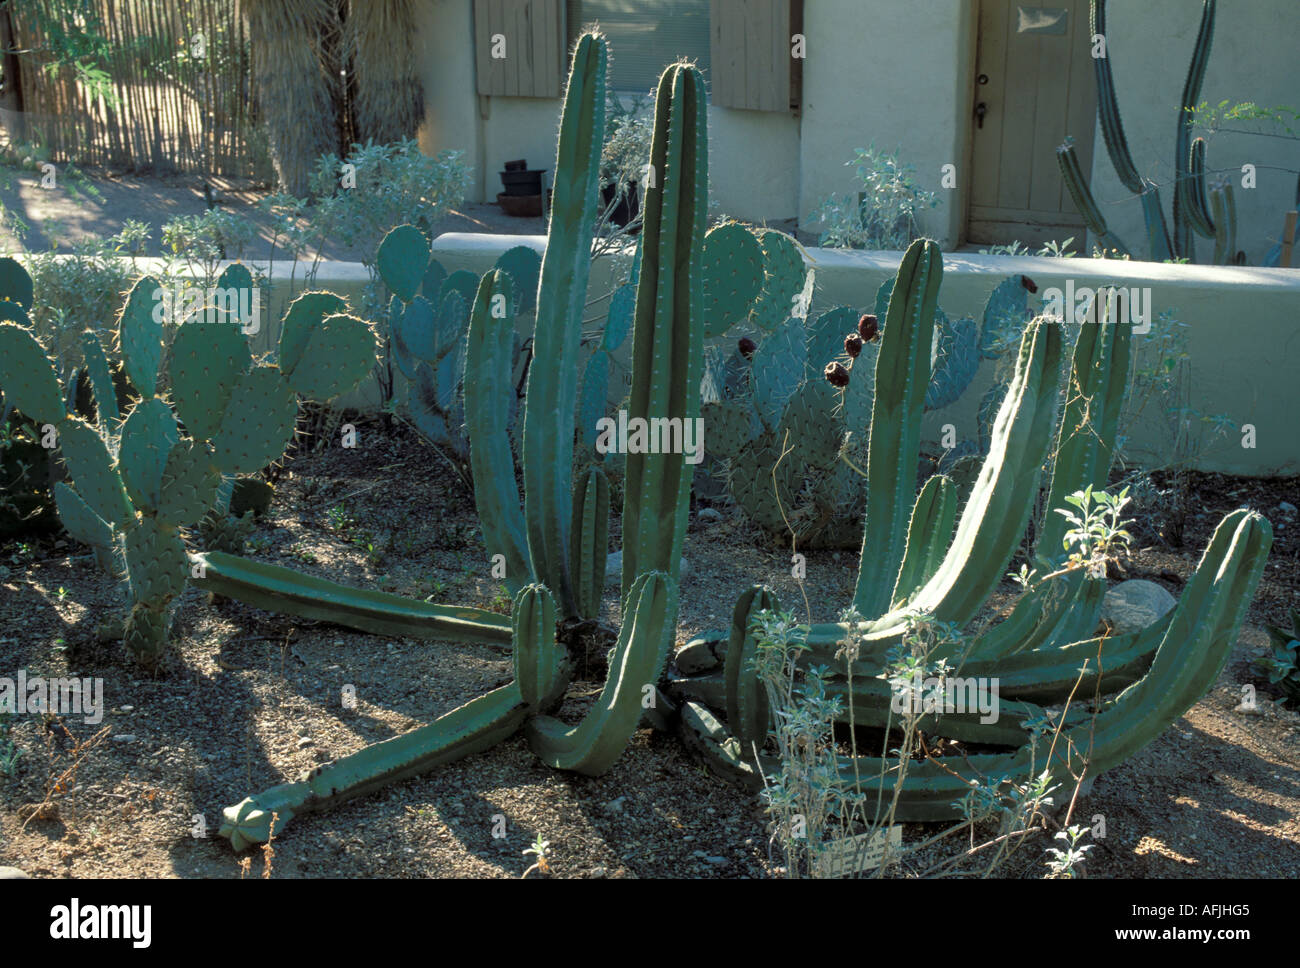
<point x="1240" y="369"/>
<point x="898" y="75"/>
<point x="1253" y="59"/>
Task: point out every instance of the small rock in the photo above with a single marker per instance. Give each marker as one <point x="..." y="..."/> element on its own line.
<point x="128" y="709"/>
<point x="1286" y="507"/>
<point x="597" y="872"/>
<point x="709" y="515"/>
<point x="13" y="874"/>
<point x="124" y="738"/>
<point x="1133" y="605"/>
<point x="614" y="568"/>
<point x="1248" y="709"/>
<point x="615" y="806"/>
<point x="305" y="742"/>
<point x="4" y="572"/>
<point x="715" y="860"/>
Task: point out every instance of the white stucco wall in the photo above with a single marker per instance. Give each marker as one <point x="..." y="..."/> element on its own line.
<point x="1253" y="59"/>
<point x="898" y="75"/>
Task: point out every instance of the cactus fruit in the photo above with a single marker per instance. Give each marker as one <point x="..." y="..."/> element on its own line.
<point x="836" y="374"/>
<point x="868" y="327"/>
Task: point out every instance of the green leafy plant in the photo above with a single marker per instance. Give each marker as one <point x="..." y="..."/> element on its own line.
<point x="884" y="212"/>
<point x="1282" y="665"/>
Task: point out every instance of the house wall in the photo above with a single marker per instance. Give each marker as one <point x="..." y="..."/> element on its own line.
<point x="1253" y="59"/>
<point x="900" y="75"/>
<point x="1240" y="378"/>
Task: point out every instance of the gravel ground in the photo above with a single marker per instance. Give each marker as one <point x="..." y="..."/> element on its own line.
<point x="249" y="699"/>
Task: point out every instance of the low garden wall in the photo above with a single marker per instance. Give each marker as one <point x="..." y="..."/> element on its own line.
<point x="1242" y="327"/>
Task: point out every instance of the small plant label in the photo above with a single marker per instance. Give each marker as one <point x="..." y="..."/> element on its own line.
<point x="853" y="855"/>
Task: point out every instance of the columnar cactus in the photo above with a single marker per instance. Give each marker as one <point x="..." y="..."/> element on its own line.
<point x="1192" y="197"/>
<point x="1044" y="650"/>
<point x="134" y="487"/>
<point x="556" y="541"/>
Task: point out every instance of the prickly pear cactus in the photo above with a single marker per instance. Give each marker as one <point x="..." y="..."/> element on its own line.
<point x="214" y="413"/>
<point x="787" y="418"/>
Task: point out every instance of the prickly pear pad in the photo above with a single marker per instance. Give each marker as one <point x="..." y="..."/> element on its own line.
<point x="27" y="378"/>
<point x="189" y="483"/>
<point x="79" y="520"/>
<point x="258" y="422"/>
<point x="92" y="471"/>
<point x="304" y="315"/>
<point x="140" y="335"/>
<point x="733" y="276"/>
<point x="148" y="436"/>
<point x="207" y="360"/>
<point x="156" y="563"/>
<point x="338" y="355"/>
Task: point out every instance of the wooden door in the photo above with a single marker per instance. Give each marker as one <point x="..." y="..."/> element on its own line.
<point x="1034" y="85"/>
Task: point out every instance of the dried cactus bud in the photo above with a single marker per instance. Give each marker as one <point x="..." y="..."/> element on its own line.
<point x="853" y="345"/>
<point x="837" y="375"/>
<point x="746" y="347"/>
<point x="868" y="327"/>
<point x="1029" y="283"/>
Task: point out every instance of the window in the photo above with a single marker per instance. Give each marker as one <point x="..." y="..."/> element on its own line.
<point x="645" y="36"/>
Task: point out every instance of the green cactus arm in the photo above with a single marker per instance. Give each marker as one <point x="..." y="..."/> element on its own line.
<point x="1197" y="639"/>
<point x="1159" y="242"/>
<point x="258" y="422"/>
<point x="83" y="523"/>
<point x="901" y="376"/>
<point x="1225" y="223"/>
<point x="284" y="590"/>
<point x="638" y="661"/>
<point x="1198" y="202"/>
<point x="1001" y="500"/>
<point x="471" y="728"/>
<point x="668" y="335"/>
<point x="148" y="435"/>
<point x="1112" y="126"/>
<point x="590" y="536"/>
<point x="488" y="356"/>
<point x="538" y="658"/>
<point x="92" y="470"/>
<point x="1084" y="202"/>
<point x="928" y="533"/>
<point x="747" y="708"/>
<point x="27" y="377"/>
<point x="1186" y="213"/>
<point x="1094" y="398"/>
<point x="562" y="294"/>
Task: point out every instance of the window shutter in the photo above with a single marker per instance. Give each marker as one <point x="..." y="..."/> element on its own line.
<point x="532" y="32"/>
<point x="752" y="66"/>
